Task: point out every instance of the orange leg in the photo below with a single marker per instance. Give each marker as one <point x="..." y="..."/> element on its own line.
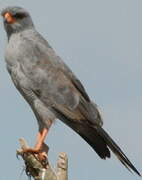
<point x="40" y="140"/>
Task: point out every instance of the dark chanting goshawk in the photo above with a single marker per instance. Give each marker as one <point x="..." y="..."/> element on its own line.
<point x="51" y="88"/>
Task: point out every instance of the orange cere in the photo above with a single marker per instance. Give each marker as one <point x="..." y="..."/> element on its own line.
<point x="9" y="18"/>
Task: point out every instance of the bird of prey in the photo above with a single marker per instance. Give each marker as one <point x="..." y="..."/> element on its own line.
<point x="51" y="88"/>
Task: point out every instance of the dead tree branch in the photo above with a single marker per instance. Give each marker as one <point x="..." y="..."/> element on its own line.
<point x="43" y="170"/>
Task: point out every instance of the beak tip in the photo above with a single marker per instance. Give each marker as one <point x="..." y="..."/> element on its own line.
<point x="8" y="18"/>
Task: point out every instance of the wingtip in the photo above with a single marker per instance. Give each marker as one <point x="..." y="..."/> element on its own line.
<point x="138" y="173"/>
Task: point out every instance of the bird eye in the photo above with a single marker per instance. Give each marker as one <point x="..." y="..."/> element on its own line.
<point x="19" y="15"/>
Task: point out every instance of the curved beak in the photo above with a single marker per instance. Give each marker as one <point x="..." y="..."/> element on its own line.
<point x="9" y="18"/>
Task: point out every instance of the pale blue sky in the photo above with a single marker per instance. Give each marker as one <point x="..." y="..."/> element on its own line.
<point x="102" y="43"/>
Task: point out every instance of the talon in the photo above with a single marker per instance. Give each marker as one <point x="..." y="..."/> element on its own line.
<point x="41" y="149"/>
<point x="42" y="157"/>
<point x="31" y="150"/>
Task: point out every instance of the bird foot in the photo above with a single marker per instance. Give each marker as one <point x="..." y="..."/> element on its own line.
<point x="40" y="154"/>
<point x="31" y="150"/>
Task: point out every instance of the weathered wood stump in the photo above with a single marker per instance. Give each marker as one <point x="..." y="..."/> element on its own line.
<point x="42" y="170"/>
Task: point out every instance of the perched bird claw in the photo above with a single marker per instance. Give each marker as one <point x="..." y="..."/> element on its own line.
<point x="40" y="155"/>
<point x="31" y="150"/>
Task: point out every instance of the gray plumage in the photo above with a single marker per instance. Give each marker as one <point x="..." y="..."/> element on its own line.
<point x="50" y="87"/>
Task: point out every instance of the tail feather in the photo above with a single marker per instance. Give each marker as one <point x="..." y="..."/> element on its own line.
<point x="96" y="142"/>
<point x="101" y="142"/>
<point x="116" y="150"/>
<point x="98" y="139"/>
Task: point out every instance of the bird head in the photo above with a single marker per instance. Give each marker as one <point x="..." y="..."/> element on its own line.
<point x="16" y="19"/>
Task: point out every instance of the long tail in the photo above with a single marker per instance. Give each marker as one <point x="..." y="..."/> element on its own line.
<point x="99" y="139"/>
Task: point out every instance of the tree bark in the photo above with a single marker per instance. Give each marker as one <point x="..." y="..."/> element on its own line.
<point x="43" y="170"/>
